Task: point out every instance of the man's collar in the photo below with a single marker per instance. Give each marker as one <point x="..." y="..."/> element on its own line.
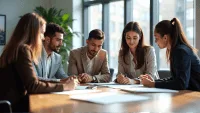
<point x="45" y="52"/>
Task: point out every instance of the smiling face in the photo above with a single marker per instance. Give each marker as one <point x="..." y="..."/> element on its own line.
<point x="161" y="41"/>
<point x="132" y="39"/>
<point x="56" y="42"/>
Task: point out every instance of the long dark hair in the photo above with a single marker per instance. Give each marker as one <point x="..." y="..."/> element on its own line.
<point x="174" y="29"/>
<point x="133" y="26"/>
<point x="27" y="32"/>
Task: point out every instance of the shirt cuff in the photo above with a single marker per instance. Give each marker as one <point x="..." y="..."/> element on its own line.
<point x="131" y="81"/>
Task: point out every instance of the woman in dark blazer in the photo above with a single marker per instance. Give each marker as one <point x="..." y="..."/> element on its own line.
<point x="135" y="58"/>
<point x="18" y="78"/>
<point x="182" y="57"/>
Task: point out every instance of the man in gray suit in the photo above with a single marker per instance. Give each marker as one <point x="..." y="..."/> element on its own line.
<point x="50" y="66"/>
<point x="90" y="63"/>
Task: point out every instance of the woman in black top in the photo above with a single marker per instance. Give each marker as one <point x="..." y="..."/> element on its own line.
<point x="182" y="57"/>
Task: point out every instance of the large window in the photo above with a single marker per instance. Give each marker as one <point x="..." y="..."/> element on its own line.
<point x="112" y="15"/>
<point x="116" y="25"/>
<point x="141" y="14"/>
<point x="183" y="10"/>
<point x="95" y="17"/>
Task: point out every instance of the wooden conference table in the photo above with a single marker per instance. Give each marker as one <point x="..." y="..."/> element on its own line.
<point x="181" y="102"/>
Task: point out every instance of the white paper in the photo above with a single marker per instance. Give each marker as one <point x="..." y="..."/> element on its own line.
<point x="99" y="84"/>
<point x="81" y="87"/>
<point x="73" y="92"/>
<point x="108" y="97"/>
<point x="123" y="86"/>
<point x="149" y="90"/>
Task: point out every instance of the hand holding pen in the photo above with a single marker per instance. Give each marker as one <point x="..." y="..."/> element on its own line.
<point x="122" y="79"/>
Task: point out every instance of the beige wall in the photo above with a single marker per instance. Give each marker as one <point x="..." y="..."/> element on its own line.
<point x="15" y="8"/>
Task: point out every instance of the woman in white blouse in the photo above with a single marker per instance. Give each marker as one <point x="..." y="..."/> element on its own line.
<point x="135" y="58"/>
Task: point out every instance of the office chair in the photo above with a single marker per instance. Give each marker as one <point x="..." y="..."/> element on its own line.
<point x="5" y="106"/>
<point x="164" y="74"/>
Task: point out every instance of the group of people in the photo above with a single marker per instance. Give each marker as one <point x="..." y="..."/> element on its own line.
<point x="30" y="63"/>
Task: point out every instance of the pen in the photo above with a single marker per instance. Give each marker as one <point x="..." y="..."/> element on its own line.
<point x="138" y="78"/>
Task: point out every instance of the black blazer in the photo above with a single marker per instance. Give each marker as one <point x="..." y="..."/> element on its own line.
<point x="185" y="71"/>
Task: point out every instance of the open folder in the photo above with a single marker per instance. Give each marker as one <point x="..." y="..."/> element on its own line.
<point x="108" y="97"/>
<point x="148" y="90"/>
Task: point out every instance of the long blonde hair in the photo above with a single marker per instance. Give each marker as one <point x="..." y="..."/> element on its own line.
<point x="26" y="32"/>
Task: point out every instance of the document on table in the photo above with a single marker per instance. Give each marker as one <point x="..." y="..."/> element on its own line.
<point x="85" y="87"/>
<point x="115" y="85"/>
<point x="148" y="90"/>
<point x="123" y="86"/>
<point x="108" y="97"/>
<point x="100" y="84"/>
<point x="73" y="92"/>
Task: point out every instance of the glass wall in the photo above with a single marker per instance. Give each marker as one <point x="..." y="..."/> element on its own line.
<point x="95" y="17"/>
<point x="183" y="10"/>
<point x="114" y="14"/>
<point x="141" y="14"/>
<point x="116" y="25"/>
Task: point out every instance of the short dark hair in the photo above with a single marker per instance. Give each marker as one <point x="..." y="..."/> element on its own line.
<point x="96" y="34"/>
<point x="52" y="28"/>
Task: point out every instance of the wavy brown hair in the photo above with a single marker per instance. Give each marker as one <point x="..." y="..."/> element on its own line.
<point x="26" y="32"/>
<point x="174" y="29"/>
<point x="134" y="26"/>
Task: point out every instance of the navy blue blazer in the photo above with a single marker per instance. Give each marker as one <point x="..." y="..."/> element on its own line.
<point x="185" y="71"/>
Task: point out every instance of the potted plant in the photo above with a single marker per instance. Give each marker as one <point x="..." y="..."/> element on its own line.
<point x="64" y="20"/>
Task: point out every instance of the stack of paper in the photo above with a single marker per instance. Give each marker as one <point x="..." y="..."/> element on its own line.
<point x="108" y="97"/>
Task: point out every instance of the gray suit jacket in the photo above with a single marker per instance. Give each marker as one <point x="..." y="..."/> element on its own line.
<point x="77" y="64"/>
<point x="149" y="66"/>
<point x="56" y="70"/>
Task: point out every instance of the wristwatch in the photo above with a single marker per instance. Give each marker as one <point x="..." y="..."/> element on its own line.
<point x="94" y="79"/>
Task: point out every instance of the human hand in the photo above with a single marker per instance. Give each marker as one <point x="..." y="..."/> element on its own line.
<point x="146" y="76"/>
<point x="148" y="82"/>
<point x="121" y="79"/>
<point x="71" y="85"/>
<point x="85" y="78"/>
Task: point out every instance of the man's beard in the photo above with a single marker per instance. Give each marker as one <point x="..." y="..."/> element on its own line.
<point x="55" y="48"/>
<point x="93" y="53"/>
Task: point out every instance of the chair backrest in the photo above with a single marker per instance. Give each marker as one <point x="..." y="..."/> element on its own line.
<point x="5" y="106"/>
<point x="111" y="73"/>
<point x="164" y="74"/>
